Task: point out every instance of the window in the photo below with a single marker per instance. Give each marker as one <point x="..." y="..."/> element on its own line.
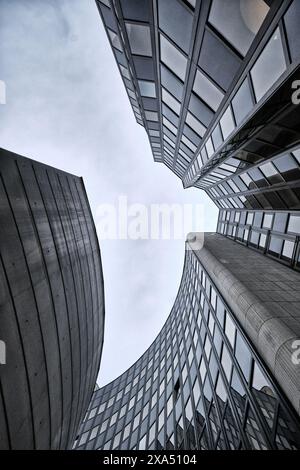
<point x="169" y="125"/>
<point x="268" y="169"/>
<point x="268" y="219"/>
<point x="291" y="20"/>
<point x="223" y="60"/>
<point x="227" y="123"/>
<point x="154" y="133"/>
<point x="151" y="115"/>
<point x="176" y="21"/>
<point x="243" y="355"/>
<point x="206" y="90"/>
<point x="94" y="433"/>
<point x="147" y="88"/>
<point x="269" y="66"/>
<point x="209" y="148"/>
<point x="230" y="330"/>
<point x="195" y="124"/>
<point x="115" y="40"/>
<point x="139" y="39"/>
<point x="246" y="178"/>
<point x="217" y="136"/>
<point x="226" y="362"/>
<point x="238" y="21"/>
<point x="171" y="57"/>
<point x="242" y="102"/>
<point x="170" y="101"/>
<point x="294" y="224"/>
<point x="288" y="249"/>
<point x="170" y="82"/>
<point x="200" y="110"/>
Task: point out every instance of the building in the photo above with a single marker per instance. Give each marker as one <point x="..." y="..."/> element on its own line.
<point x="51" y="304"/>
<point x="214" y="84"/>
<point x="220" y="374"/>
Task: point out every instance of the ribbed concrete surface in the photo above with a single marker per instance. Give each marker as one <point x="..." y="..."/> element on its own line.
<point x="51" y="304"/>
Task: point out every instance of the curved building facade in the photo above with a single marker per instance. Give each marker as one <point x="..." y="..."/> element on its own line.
<point x="51" y="304"/>
<point x="216" y="377"/>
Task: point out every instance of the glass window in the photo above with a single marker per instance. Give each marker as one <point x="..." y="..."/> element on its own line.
<point x="246" y="178"/>
<point x="243" y="355"/>
<point x="154" y="133"/>
<point x="147" y="88"/>
<point x="269" y="66"/>
<point x="170" y="101"/>
<point x="296" y="154"/>
<point x="195" y="124"/>
<point x="227" y="123"/>
<point x="280" y="221"/>
<point x="206" y="90"/>
<point x="291" y="20"/>
<point x="200" y="110"/>
<point x="171" y="82"/>
<point x="225" y="63"/>
<point x="230" y="330"/>
<point x="115" y="40"/>
<point x="169" y="125"/>
<point x="209" y="148"/>
<point x="139" y="39"/>
<point x="226" y="362"/>
<point x="94" y="433"/>
<point x="187" y="142"/>
<point x="151" y="115"/>
<point x="294" y="224"/>
<point x="268" y="169"/>
<point x="171" y="57"/>
<point x="288" y="249"/>
<point x="136" y="10"/>
<point x="268" y="219"/>
<point x="238" y="21"/>
<point x="242" y="103"/>
<point x="176" y="21"/>
<point x="217" y="137"/>
<point x="288" y="167"/>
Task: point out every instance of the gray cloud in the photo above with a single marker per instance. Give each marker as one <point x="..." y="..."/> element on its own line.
<point x="67" y="107"/>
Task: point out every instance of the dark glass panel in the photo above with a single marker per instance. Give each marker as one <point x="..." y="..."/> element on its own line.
<point x="225" y="64"/>
<point x="176" y="21"/>
<point x="242" y="103"/>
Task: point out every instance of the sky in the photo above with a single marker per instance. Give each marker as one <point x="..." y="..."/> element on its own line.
<point x="66" y="106"/>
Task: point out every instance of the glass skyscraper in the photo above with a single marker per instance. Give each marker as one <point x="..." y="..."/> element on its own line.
<point x="214" y="84"/>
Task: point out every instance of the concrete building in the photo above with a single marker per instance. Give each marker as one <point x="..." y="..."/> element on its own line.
<point x="220" y="373"/>
<point x="51" y="304"/>
<point x="214" y="84"/>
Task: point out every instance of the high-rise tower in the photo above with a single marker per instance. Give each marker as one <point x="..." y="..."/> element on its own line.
<point x="51" y="304"/>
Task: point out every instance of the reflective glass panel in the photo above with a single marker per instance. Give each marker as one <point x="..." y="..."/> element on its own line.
<point x="206" y="90"/>
<point x="147" y="88"/>
<point x="238" y="20"/>
<point x="139" y="39"/>
<point x="227" y="123"/>
<point x="269" y="66"/>
<point x="176" y="21"/>
<point x="171" y="57"/>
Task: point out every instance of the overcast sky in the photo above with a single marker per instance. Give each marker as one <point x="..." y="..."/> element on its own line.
<point x="67" y="107"/>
